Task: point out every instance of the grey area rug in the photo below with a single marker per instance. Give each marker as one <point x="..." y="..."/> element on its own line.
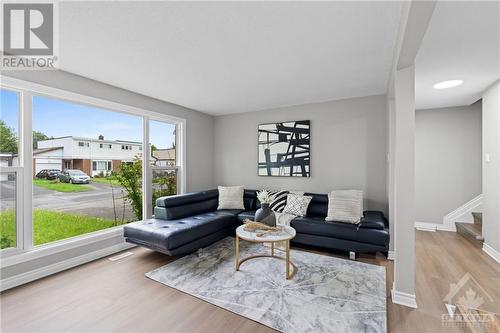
<point x="326" y="294"/>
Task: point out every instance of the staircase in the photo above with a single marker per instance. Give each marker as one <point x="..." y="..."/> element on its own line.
<point x="472" y="231"/>
<point x="477" y="321"/>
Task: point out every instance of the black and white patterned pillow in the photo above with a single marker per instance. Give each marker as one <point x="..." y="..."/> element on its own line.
<point x="279" y="202"/>
<point x="297" y="204"/>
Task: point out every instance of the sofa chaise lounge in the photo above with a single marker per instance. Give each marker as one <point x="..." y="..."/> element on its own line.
<point x="185" y="223"/>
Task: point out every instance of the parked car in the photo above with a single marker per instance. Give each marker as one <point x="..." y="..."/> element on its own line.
<point x="74" y="176"/>
<point x="49" y="174"/>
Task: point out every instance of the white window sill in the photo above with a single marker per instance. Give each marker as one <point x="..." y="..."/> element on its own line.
<point x="10" y="257"/>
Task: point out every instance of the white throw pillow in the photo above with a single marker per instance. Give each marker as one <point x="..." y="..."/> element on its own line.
<point x="345" y="206"/>
<point x="297" y="204"/>
<point x="231" y="197"/>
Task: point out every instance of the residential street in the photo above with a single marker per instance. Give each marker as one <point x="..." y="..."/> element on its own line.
<point x="98" y="202"/>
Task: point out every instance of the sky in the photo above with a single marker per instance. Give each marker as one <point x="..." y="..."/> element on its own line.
<point x="58" y="118"/>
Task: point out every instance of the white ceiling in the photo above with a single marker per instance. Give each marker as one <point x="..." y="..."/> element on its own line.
<point x="229" y="57"/>
<point x="462" y="42"/>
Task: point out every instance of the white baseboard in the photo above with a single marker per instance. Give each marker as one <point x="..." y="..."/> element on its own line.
<point x="391" y="255"/>
<point x="491" y="252"/>
<point x="39" y="273"/>
<point x="463" y="213"/>
<point x="446" y="227"/>
<point x="427" y="226"/>
<point x="405" y="299"/>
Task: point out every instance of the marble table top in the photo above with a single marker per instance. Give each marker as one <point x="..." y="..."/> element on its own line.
<point x="285" y="233"/>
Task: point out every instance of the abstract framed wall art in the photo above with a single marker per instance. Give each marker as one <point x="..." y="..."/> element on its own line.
<point x="284" y="149"/>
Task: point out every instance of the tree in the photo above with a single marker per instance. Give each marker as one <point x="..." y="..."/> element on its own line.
<point x="153" y="148"/>
<point x="8" y="139"/>
<point x="38" y="136"/>
<point x="164" y="185"/>
<point x="130" y="177"/>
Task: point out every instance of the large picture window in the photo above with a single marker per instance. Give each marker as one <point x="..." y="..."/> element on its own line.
<point x="163" y="159"/>
<point x="89" y="195"/>
<point x="9" y="160"/>
<point x="85" y="165"/>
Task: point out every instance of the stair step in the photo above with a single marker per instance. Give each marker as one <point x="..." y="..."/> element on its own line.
<point x="471" y="231"/>
<point x="478" y="321"/>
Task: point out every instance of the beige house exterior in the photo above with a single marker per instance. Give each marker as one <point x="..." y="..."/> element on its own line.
<point x="92" y="156"/>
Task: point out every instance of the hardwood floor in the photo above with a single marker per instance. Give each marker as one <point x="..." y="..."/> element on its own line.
<point x="107" y="296"/>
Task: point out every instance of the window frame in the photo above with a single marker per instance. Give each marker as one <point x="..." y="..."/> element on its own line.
<point x="25" y="249"/>
<point x="17" y="170"/>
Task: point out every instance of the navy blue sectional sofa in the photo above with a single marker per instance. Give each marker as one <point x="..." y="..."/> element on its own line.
<point x="184" y="223"/>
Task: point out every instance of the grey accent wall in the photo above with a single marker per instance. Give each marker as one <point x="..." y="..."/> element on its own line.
<point x="199" y="131"/>
<point x="447" y="160"/>
<point x="348" y="148"/>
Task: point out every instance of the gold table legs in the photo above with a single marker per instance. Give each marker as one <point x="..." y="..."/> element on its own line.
<point x="288" y="263"/>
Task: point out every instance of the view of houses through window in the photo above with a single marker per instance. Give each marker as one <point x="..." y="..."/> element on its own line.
<point x="163" y="160"/>
<point x="87" y="167"/>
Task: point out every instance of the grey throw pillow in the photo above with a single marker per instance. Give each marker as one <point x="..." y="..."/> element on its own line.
<point x="297" y="204"/>
<point x="231" y="197"/>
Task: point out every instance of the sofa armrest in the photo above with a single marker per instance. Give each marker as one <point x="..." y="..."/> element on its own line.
<point x="373" y="220"/>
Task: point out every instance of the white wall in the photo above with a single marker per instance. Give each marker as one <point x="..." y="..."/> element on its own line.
<point x="403" y="206"/>
<point x="491" y="169"/>
<point x="447" y="160"/>
<point x="348" y="148"/>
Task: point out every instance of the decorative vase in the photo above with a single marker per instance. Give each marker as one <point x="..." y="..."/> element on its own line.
<point x="265" y="215"/>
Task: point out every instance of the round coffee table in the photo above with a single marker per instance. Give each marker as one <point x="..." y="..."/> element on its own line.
<point x="285" y="235"/>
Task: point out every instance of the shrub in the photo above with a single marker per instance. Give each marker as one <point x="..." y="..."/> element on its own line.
<point x="6" y="242"/>
<point x="130" y="177"/>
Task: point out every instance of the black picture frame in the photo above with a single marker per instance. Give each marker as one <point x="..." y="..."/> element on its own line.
<point x="284" y="149"/>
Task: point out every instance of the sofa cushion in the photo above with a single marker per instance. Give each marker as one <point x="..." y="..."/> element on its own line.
<point x="187" y="210"/>
<point x="318" y="205"/>
<point x="347" y="231"/>
<point x="250" y="199"/>
<point x="170" y="234"/>
<point x="187" y="198"/>
<point x="246" y="215"/>
<point x="185" y="205"/>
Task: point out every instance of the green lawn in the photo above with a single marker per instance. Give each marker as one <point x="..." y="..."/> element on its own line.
<point x="50" y="226"/>
<point x="55" y="185"/>
<point x="106" y="180"/>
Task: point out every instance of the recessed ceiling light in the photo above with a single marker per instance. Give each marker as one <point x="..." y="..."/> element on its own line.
<point x="448" y="84"/>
